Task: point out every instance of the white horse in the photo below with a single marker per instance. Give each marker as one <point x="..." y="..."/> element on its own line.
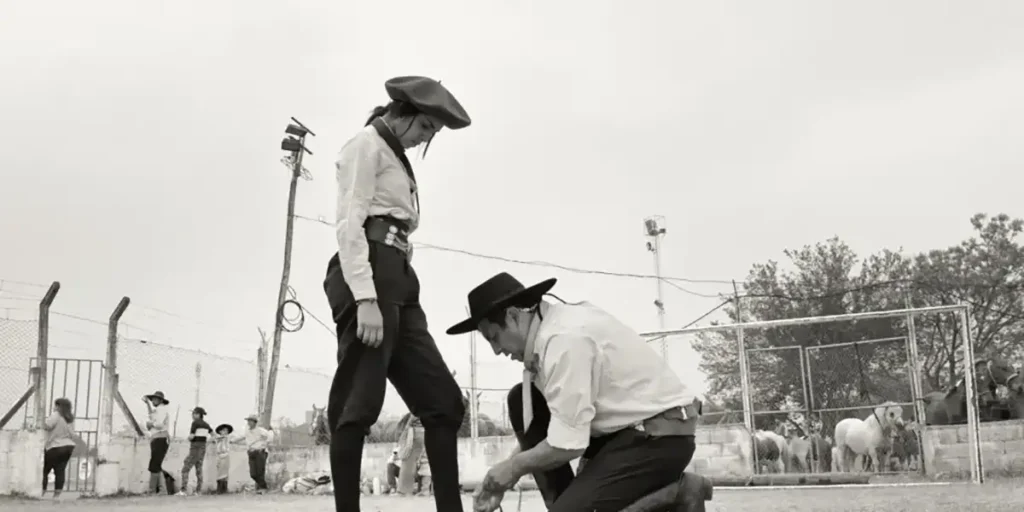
<point x="862" y="438"/>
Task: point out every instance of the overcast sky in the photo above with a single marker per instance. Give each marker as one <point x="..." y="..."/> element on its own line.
<point x="140" y="150"/>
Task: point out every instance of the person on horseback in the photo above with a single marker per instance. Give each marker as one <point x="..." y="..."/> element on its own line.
<point x="592" y="388"/>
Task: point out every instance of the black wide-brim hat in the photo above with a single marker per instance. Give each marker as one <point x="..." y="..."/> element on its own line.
<point x="429" y="97"/>
<point x="160" y="395"/>
<point x="499" y="292"/>
<point x="224" y="426"/>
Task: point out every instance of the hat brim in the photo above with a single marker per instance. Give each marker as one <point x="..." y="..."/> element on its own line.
<point x="166" y="401"/>
<point x="527" y="296"/>
<point x="225" y="426"/>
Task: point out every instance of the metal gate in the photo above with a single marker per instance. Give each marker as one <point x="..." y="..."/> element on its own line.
<point x="81" y="381"/>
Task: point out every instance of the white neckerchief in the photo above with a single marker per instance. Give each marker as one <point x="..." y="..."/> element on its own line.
<point x="530" y="366"/>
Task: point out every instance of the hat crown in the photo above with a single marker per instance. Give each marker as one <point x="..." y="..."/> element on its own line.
<point x="493" y="291"/>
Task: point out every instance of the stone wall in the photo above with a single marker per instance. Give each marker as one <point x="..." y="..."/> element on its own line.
<point x="21" y="462"/>
<point x="1002" y="448"/>
<point x="721" y="451"/>
<point x="131" y="457"/>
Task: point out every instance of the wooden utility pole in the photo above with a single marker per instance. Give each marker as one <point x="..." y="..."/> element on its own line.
<point x="261" y="371"/>
<point x="296" y="144"/>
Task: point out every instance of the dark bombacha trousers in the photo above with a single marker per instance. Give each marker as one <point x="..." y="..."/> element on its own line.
<point x="409" y="358"/>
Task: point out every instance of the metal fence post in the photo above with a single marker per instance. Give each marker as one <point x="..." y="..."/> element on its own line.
<point x="107" y="399"/>
<point x="43" y="354"/>
<point x="916" y="390"/>
<point x="973" y="438"/>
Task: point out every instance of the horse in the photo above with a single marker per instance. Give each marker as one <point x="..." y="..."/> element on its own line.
<point x="950" y="407"/>
<point x="992" y="374"/>
<point x="799" y="446"/>
<point x="819" y="458"/>
<point x="770" y="449"/>
<point x="318" y="428"/>
<point x="906" y="449"/>
<point x="862" y="438"/>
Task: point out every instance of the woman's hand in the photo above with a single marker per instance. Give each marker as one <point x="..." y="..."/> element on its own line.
<point x="370" y="324"/>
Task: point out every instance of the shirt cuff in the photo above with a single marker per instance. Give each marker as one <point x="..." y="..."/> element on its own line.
<point x="563" y="436"/>
<point x="363" y="290"/>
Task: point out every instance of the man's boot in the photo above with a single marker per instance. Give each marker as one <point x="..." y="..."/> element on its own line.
<point x="694" y="490"/>
<point x="154" y="483"/>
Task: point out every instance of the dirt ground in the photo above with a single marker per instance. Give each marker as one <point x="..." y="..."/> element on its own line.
<point x="997" y="496"/>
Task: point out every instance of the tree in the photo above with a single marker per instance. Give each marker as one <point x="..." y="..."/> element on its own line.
<point x="829" y="278"/>
<point x="984" y="271"/>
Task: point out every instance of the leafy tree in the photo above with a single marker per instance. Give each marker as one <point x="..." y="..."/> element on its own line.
<point x="986" y="272"/>
<point x="829" y="278"/>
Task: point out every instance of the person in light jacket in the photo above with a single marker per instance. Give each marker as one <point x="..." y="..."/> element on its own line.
<point x="60" y="444"/>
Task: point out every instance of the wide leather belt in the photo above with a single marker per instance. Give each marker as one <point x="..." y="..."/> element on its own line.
<point x="677" y="421"/>
<point x="387" y="231"/>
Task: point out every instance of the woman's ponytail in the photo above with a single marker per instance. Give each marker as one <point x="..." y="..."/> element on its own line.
<point x="378" y="111"/>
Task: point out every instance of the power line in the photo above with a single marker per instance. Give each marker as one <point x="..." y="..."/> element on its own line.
<point x="547" y="264"/>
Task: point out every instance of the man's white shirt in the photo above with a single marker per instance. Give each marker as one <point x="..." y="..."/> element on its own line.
<point x="597" y="375"/>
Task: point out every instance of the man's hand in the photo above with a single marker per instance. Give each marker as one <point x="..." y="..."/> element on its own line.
<point x="501" y="477"/>
<point x="485" y="501"/>
<point x="191" y="437"/>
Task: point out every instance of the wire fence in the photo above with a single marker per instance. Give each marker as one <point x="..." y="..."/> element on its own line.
<point x="18" y="345"/>
<point x="226" y="387"/>
<point x="800" y="378"/>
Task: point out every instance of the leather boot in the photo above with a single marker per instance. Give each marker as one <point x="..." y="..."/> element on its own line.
<point x="694" y="490"/>
<point x="154" y="483"/>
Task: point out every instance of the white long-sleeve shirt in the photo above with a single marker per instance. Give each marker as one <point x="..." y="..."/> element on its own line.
<point x="372" y="181"/>
<point x="159" y="422"/>
<point x="597" y="375"/>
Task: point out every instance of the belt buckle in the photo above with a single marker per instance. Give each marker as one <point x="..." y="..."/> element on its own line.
<point x="639" y="427"/>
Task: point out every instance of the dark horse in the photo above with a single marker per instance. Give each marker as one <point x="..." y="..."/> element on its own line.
<point x="950" y="407"/>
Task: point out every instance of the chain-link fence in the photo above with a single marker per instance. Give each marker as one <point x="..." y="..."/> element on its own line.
<point x="18" y="345"/>
<point x="226" y="387"/>
<point x="852" y="385"/>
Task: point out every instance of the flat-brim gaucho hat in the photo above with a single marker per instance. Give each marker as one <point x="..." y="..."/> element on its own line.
<point x="430" y="97"/>
<point x="499" y="292"/>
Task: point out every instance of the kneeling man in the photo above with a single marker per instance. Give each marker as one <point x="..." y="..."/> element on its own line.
<point x="592" y="388"/>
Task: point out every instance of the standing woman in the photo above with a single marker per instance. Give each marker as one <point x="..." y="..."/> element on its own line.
<point x="374" y="292"/>
<point x="158" y="427"/>
<point x="60" y="444"/>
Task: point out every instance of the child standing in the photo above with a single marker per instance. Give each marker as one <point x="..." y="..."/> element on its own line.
<point x="222" y="438"/>
<point x="197" y="435"/>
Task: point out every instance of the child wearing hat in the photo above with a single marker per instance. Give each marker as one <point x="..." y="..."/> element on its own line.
<point x="222" y="444"/>
<point x="197" y="434"/>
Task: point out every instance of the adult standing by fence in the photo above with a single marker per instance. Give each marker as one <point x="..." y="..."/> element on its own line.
<point x="374" y="292"/>
<point x="60" y="444"/>
<point x="158" y="427"/>
<point x="257" y="440"/>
